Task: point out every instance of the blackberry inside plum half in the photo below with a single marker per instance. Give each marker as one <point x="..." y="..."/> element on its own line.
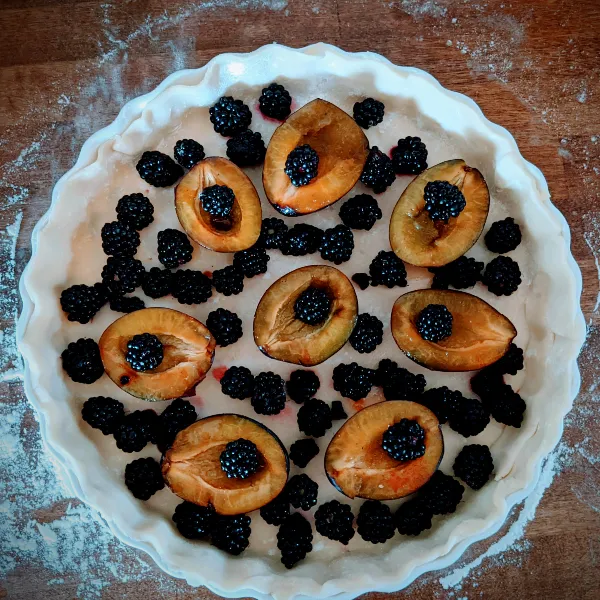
<point x="282" y="335"/>
<point x="357" y="464"/>
<point x="193" y="470"/>
<point x="187" y="345"/>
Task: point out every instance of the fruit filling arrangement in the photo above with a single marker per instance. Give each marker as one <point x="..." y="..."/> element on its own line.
<point x="228" y="468"/>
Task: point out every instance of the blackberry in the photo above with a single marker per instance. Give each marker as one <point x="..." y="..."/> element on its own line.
<point x="302" y="165"/>
<point x="474" y="465"/>
<point x="362" y="280"/>
<point x="188" y="153"/>
<point x="443" y="200"/>
<point x="246" y="149"/>
<point x="217" y="200"/>
<point x="461" y="273"/>
<point x="368" y="112"/>
<point x="136" y="430"/>
<point x="360" y="212"/>
<point x="174" y="248"/>
<point x="404" y="440"/>
<point x="337" y="411"/>
<point x="375" y="522"/>
<point x="367" y="333"/>
<point x="302" y="491"/>
<point x="409" y="157"/>
<point x="506" y="406"/>
<point x="277" y="511"/>
<point x="228" y="281"/>
<point x="238" y="382"/>
<point x="230" y="116"/>
<point x="502" y="276"/>
<point x="177" y="416"/>
<point x="272" y="232"/>
<point x="337" y="244"/>
<point x="486" y="382"/>
<point x="157" y="282"/>
<point x="275" y="102"/>
<point x="82" y="302"/>
<point x="191" y="287"/>
<point x="122" y="275"/>
<point x="144" y="352"/>
<point x="312" y="306"/>
<point x="503" y="236"/>
<point x="135" y="211"/>
<point x="302" y="385"/>
<point x="511" y="363"/>
<point x="194" y="522"/>
<point x="385" y="372"/>
<point x="471" y="417"/>
<point x="252" y="261"/>
<point x="378" y="173"/>
<point x="353" y="381"/>
<point x="442" y="402"/>
<point x="81" y="361"/>
<point x="119" y="240"/>
<point x="314" y="418"/>
<point x="126" y="304"/>
<point x="387" y="269"/>
<point x="294" y="539"/>
<point x="400" y="384"/>
<point x="225" y="326"/>
<point x="412" y="518"/>
<point x="143" y="478"/>
<point x="335" y="521"/>
<point x="231" y="533"/>
<point x="301" y="239"/>
<point x="441" y="494"/>
<point x="434" y="323"/>
<point x="102" y="413"/>
<point x="240" y="459"/>
<point x="303" y="451"/>
<point x="158" y="169"/>
<point x="268" y="397"/>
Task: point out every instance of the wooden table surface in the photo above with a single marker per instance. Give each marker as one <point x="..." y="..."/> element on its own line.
<point x="66" y="67"/>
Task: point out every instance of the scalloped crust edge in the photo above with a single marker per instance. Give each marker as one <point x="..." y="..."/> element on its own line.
<point x="229" y="577"/>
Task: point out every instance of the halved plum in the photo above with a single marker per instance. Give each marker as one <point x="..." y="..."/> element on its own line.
<point x="281" y="336"/>
<point x="418" y="240"/>
<point x="358" y="466"/>
<point x="188" y="348"/>
<point x="192" y="469"/>
<point x="242" y="229"/>
<point x="480" y="334"/>
<point x="342" y="148"/>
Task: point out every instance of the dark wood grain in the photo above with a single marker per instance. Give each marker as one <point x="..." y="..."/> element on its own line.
<point x="66" y="68"/>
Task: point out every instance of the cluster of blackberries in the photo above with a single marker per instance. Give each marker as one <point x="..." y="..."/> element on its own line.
<point x="228" y="533"/>
<point x="504" y="404"/>
<point x="266" y="391"/>
<point x="133" y="431"/>
<point x="335" y="244"/>
<point x="376" y="523"/>
<point x="294" y="538"/>
<point x="355" y="382"/>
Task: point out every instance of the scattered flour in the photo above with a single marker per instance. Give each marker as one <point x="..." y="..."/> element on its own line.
<point x="420" y="9"/>
<point x="72" y="542"/>
<point x="582" y="96"/>
<point x="10" y="361"/>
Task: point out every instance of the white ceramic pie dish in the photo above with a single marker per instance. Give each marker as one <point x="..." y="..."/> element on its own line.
<point x="66" y="250"/>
